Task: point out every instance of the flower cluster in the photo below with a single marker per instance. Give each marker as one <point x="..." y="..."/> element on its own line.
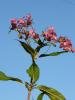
<point x="50" y="34"/>
<point x="22" y="25"/>
<point x="66" y="44"/>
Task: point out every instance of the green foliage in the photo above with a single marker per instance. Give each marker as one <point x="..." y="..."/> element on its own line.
<point x="40" y="97"/>
<point x="27" y="48"/>
<point x="4" y="77"/>
<point x="53" y="54"/>
<point x="52" y="93"/>
<point x="33" y="72"/>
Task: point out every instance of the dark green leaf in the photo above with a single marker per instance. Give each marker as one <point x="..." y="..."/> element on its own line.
<point x="27" y="48"/>
<point x="40" y="97"/>
<point x="53" y="54"/>
<point x="4" y="77"/>
<point x="52" y="97"/>
<point x="38" y="48"/>
<point x="40" y="42"/>
<point x="33" y="72"/>
<point x="52" y="93"/>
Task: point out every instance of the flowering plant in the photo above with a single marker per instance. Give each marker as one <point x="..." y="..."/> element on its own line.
<point x="32" y="44"/>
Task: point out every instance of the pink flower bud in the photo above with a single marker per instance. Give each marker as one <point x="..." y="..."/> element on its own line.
<point x="61" y="39"/>
<point x="31" y="33"/>
<point x="36" y="36"/>
<point x="13" y="21"/>
<point x="21" y="21"/>
<point x="28" y="17"/>
<point x="51" y="29"/>
<point x="13" y="24"/>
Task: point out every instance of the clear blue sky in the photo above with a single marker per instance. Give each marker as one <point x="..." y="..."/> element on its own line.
<point x="57" y="72"/>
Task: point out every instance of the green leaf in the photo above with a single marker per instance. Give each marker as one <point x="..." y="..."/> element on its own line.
<point x="53" y="54"/>
<point x="40" y="97"/>
<point x="27" y="48"/>
<point x="38" y="48"/>
<point x="52" y="93"/>
<point x="52" y="97"/>
<point x="4" y="77"/>
<point x="33" y="72"/>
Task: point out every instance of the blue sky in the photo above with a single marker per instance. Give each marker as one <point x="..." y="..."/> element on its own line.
<point x="57" y="72"/>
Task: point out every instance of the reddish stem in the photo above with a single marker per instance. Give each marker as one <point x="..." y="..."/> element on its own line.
<point x="29" y="94"/>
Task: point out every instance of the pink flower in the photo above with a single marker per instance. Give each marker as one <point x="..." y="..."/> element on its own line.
<point x="65" y="44"/>
<point x="73" y="50"/>
<point x="51" y="30"/>
<point x="29" y="19"/>
<point x="36" y="36"/>
<point x="33" y="34"/>
<point x="61" y="39"/>
<point x="13" y="21"/>
<point x="13" y="24"/>
<point x="67" y="48"/>
<point x="21" y="21"/>
<point x="50" y="34"/>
